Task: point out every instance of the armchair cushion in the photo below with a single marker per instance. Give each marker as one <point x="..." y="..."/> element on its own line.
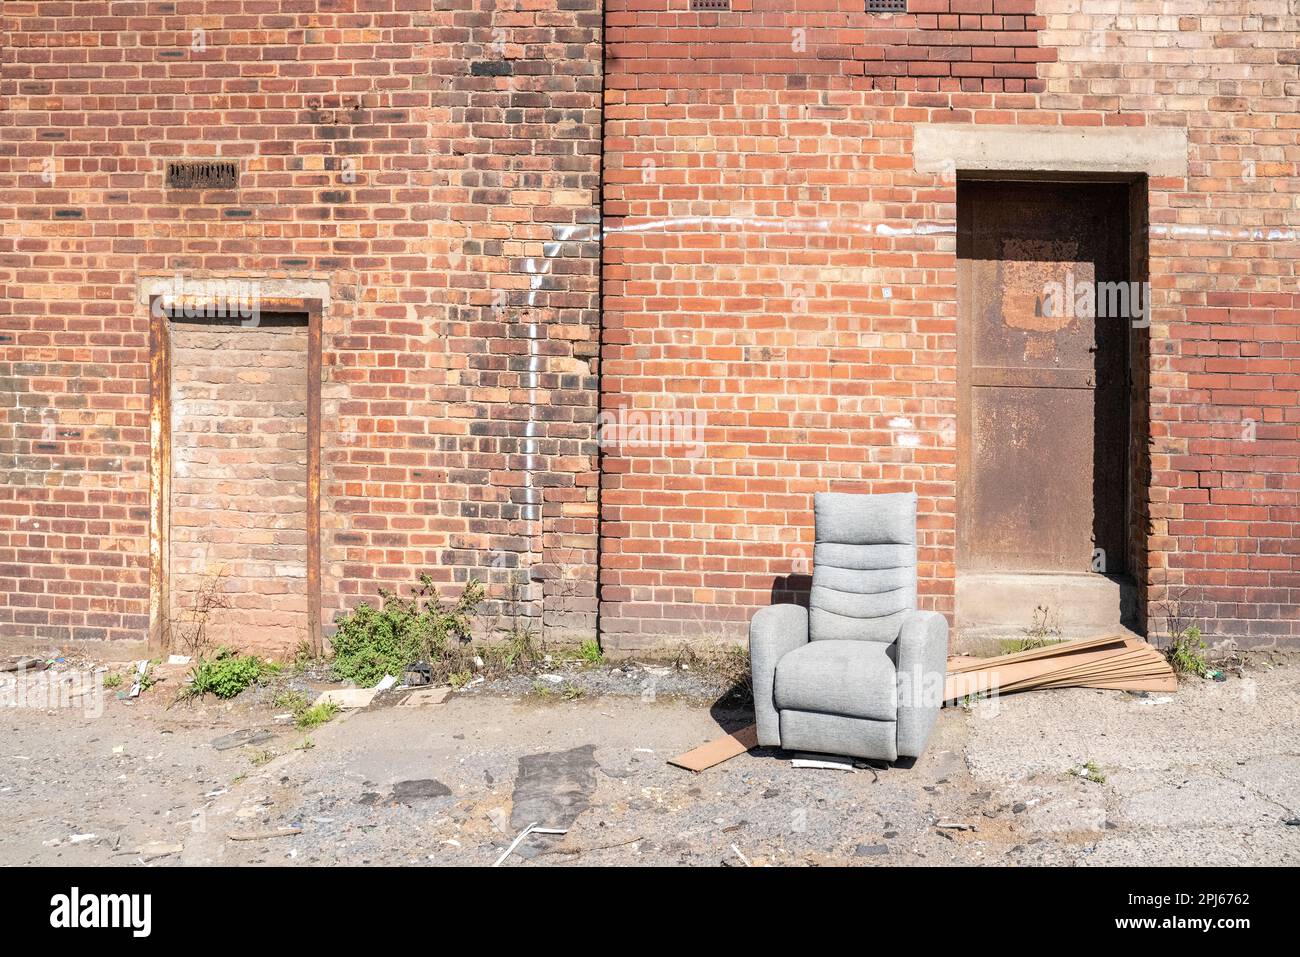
<point x="851" y="678"/>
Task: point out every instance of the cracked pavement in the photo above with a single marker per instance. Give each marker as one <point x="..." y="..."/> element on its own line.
<point x="1209" y="775"/>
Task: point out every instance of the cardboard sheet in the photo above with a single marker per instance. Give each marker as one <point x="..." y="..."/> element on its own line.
<point x="1113" y="661"/>
<point x="715" y="752"/>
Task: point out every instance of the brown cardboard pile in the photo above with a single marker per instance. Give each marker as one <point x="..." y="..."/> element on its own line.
<point x="1112" y="661"/>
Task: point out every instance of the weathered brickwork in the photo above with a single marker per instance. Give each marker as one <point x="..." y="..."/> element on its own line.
<point x="238" y="491"/>
<point x="779" y="284"/>
<point x="436" y="163"/>
<point x="775" y="263"/>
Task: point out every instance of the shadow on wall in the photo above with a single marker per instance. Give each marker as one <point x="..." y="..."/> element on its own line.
<point x="791" y="590"/>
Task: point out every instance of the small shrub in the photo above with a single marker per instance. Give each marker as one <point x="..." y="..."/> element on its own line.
<point x="315" y="716"/>
<point x="1089" y="771"/>
<point x="191" y="629"/>
<point x="225" y="674"/>
<point x="459" y="679"/>
<point x="372" y="642"/>
<point x="727" y="662"/>
<point x="291" y="701"/>
<point x="590" y="652"/>
<point x="565" y="690"/>
<point x="112" y="681"/>
<point x="1187" y="653"/>
<point x="1045" y="630"/>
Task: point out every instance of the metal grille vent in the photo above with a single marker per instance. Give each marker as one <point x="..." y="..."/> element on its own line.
<point x="886" y="6"/>
<point x="710" y="4"/>
<point x="203" y="174"/>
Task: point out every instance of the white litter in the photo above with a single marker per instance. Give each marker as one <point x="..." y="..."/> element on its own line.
<point x="825" y="764"/>
<point x="140" y="668"/>
<point x="530" y="829"/>
<point x="385" y="683"/>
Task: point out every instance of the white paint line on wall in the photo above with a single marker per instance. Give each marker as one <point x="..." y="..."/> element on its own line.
<point x="539" y="269"/>
<point x="784" y="225"/>
<point x="1257" y="234"/>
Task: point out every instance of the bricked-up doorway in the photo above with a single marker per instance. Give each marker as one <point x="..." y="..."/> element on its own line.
<point x="235" y="503"/>
<point x="1044" y="422"/>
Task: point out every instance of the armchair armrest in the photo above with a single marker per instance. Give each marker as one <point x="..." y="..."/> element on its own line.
<point x="922" y="663"/>
<point x="773" y="631"/>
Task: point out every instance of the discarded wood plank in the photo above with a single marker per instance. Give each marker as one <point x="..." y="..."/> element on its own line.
<point x="997" y="673"/>
<point x="715" y="752"/>
<point x="1124" y="663"/>
<point x="1046" y="651"/>
<point x="263" y="835"/>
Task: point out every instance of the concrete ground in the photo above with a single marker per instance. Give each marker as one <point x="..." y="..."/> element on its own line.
<point x="1210" y="775"/>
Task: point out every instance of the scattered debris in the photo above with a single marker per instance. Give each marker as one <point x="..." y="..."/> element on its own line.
<point x="385" y="683"/>
<point x="743" y="859"/>
<point x="1111" y="661"/>
<point x="871" y="850"/>
<point x="407" y="792"/>
<point x="955" y="826"/>
<point x="347" y="697"/>
<point x="156" y="849"/>
<point x="141" y="670"/>
<point x="715" y="752"/>
<point x="553" y="788"/>
<point x="178" y="659"/>
<point x="417" y="674"/>
<point x="1089" y="771"/>
<point x="425" y="696"/>
<point x="238" y="738"/>
<point x="824" y="762"/>
<point x="584" y="848"/>
<point x="23" y="663"/>
<point x="530" y="829"/>
<point x="264" y="835"/>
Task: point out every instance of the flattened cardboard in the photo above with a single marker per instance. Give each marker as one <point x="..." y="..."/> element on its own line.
<point x="1126" y="664"/>
<point x="715" y="752"/>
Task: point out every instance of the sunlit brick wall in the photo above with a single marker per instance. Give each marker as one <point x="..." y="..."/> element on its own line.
<point x="438" y="164"/>
<point x="776" y="267"/>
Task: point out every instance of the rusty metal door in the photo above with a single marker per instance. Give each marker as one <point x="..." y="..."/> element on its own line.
<point x="1043" y="384"/>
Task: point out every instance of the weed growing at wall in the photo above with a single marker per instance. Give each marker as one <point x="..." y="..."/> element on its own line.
<point x="373" y="642"/>
<point x="225" y="675"/>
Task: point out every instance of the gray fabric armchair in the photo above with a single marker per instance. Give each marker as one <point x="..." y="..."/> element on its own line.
<point x="860" y="671"/>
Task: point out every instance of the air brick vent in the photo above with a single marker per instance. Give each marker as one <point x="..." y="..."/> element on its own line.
<point x="202" y="174"/>
<point x="886" y="6"/>
<point x="710" y="4"/>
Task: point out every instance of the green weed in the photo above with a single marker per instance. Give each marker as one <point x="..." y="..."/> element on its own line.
<point x="370" y="643"/>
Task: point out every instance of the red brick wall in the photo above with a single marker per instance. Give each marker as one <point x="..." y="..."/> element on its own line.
<point x="438" y="165"/>
<point x="774" y="262"/>
<point x="775" y="268"/>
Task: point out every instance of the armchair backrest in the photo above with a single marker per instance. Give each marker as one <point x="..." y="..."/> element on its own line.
<point x="864" y="565"/>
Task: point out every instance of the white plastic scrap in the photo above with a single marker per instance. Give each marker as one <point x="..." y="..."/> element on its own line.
<point x="530" y="829"/>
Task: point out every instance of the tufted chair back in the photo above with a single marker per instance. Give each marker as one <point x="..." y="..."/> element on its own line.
<point x="864" y="566"/>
